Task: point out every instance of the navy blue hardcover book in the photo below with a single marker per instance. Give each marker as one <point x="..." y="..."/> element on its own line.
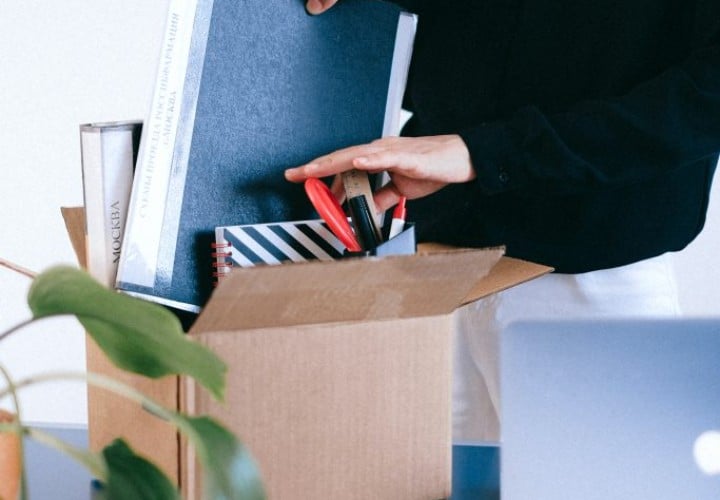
<point x="244" y="90"/>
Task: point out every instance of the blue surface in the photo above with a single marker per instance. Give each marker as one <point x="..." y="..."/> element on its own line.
<point x="476" y="470"/>
<point x="52" y="475"/>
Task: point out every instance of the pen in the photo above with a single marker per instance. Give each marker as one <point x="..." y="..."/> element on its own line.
<point x="398" y="218"/>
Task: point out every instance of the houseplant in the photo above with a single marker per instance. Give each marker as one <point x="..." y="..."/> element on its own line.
<point x="143" y="338"/>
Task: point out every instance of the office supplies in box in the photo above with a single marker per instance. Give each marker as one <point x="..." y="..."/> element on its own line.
<point x="339" y="377"/>
<point x="248" y="245"/>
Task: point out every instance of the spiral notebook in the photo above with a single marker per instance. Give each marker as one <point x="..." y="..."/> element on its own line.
<point x="248" y="245"/>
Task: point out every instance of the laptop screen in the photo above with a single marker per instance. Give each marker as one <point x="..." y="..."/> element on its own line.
<point x="610" y="410"/>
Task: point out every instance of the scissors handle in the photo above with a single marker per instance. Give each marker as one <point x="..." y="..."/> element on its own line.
<point x="332" y="213"/>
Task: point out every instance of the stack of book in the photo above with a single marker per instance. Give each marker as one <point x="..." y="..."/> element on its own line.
<point x="243" y="91"/>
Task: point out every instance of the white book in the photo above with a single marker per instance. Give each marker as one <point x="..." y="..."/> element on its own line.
<point x="108" y="151"/>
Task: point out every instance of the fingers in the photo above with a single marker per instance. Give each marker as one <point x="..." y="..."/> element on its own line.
<point x="378" y="155"/>
<point x="319" y="6"/>
<point x="387" y="159"/>
<point x="331" y="164"/>
<point x="337" y="188"/>
<point x="317" y="168"/>
<point x="419" y="166"/>
<point x="386" y="197"/>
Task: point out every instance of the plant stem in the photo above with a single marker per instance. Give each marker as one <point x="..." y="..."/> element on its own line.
<point x="15" y="328"/>
<point x="92" y="461"/>
<point x="98" y="380"/>
<point x="17" y="268"/>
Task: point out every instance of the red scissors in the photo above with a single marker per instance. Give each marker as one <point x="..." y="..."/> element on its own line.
<point x="332" y="213"/>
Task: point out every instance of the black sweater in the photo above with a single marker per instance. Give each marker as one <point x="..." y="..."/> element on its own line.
<point x="593" y="125"/>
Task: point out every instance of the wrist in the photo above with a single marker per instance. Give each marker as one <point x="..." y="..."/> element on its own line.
<point x="491" y="150"/>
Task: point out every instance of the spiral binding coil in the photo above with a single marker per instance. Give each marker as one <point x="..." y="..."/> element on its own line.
<point x="222" y="264"/>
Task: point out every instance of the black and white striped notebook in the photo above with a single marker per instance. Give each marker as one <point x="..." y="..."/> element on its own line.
<point x="272" y="243"/>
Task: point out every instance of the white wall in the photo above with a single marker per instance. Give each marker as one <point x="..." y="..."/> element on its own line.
<point x="67" y="62"/>
<point x="62" y="63"/>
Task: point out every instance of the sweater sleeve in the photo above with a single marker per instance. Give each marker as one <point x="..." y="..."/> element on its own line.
<point x="415" y="6"/>
<point x="662" y="124"/>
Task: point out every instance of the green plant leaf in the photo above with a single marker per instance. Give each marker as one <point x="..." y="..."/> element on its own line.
<point x="229" y="472"/>
<point x="137" y="335"/>
<point x="132" y="477"/>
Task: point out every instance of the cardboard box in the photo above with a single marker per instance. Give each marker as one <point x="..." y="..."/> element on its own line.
<point x="111" y="416"/>
<point x="339" y="373"/>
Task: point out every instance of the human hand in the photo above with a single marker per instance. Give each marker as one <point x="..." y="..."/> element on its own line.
<point x="418" y="166"/>
<point x="319" y="6"/>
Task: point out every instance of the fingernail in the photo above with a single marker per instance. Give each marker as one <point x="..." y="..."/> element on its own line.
<point x="313" y="6"/>
<point x="292" y="173"/>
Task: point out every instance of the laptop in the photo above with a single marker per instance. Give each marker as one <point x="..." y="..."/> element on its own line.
<point x="611" y="410"/>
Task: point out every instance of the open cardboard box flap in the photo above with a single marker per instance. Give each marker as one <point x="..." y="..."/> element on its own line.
<point x="74" y="218"/>
<point x="354" y="289"/>
<point x="361" y="289"/>
<point x="507" y="273"/>
<point x="435" y="281"/>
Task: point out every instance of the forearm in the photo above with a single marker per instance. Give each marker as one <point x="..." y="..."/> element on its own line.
<point x="662" y="124"/>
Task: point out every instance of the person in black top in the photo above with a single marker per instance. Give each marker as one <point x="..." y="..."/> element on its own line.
<point x="579" y="134"/>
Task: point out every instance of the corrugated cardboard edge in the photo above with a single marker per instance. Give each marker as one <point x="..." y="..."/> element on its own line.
<point x="506" y="273"/>
<point x="74" y="218"/>
<point x="111" y="416"/>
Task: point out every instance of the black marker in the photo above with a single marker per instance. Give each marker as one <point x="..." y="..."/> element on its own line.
<point x="366" y="231"/>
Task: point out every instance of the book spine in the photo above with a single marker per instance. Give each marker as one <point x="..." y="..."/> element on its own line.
<point x="138" y="264"/>
<point x="108" y="152"/>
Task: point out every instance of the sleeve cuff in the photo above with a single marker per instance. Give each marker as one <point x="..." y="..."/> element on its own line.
<point x="492" y="150"/>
